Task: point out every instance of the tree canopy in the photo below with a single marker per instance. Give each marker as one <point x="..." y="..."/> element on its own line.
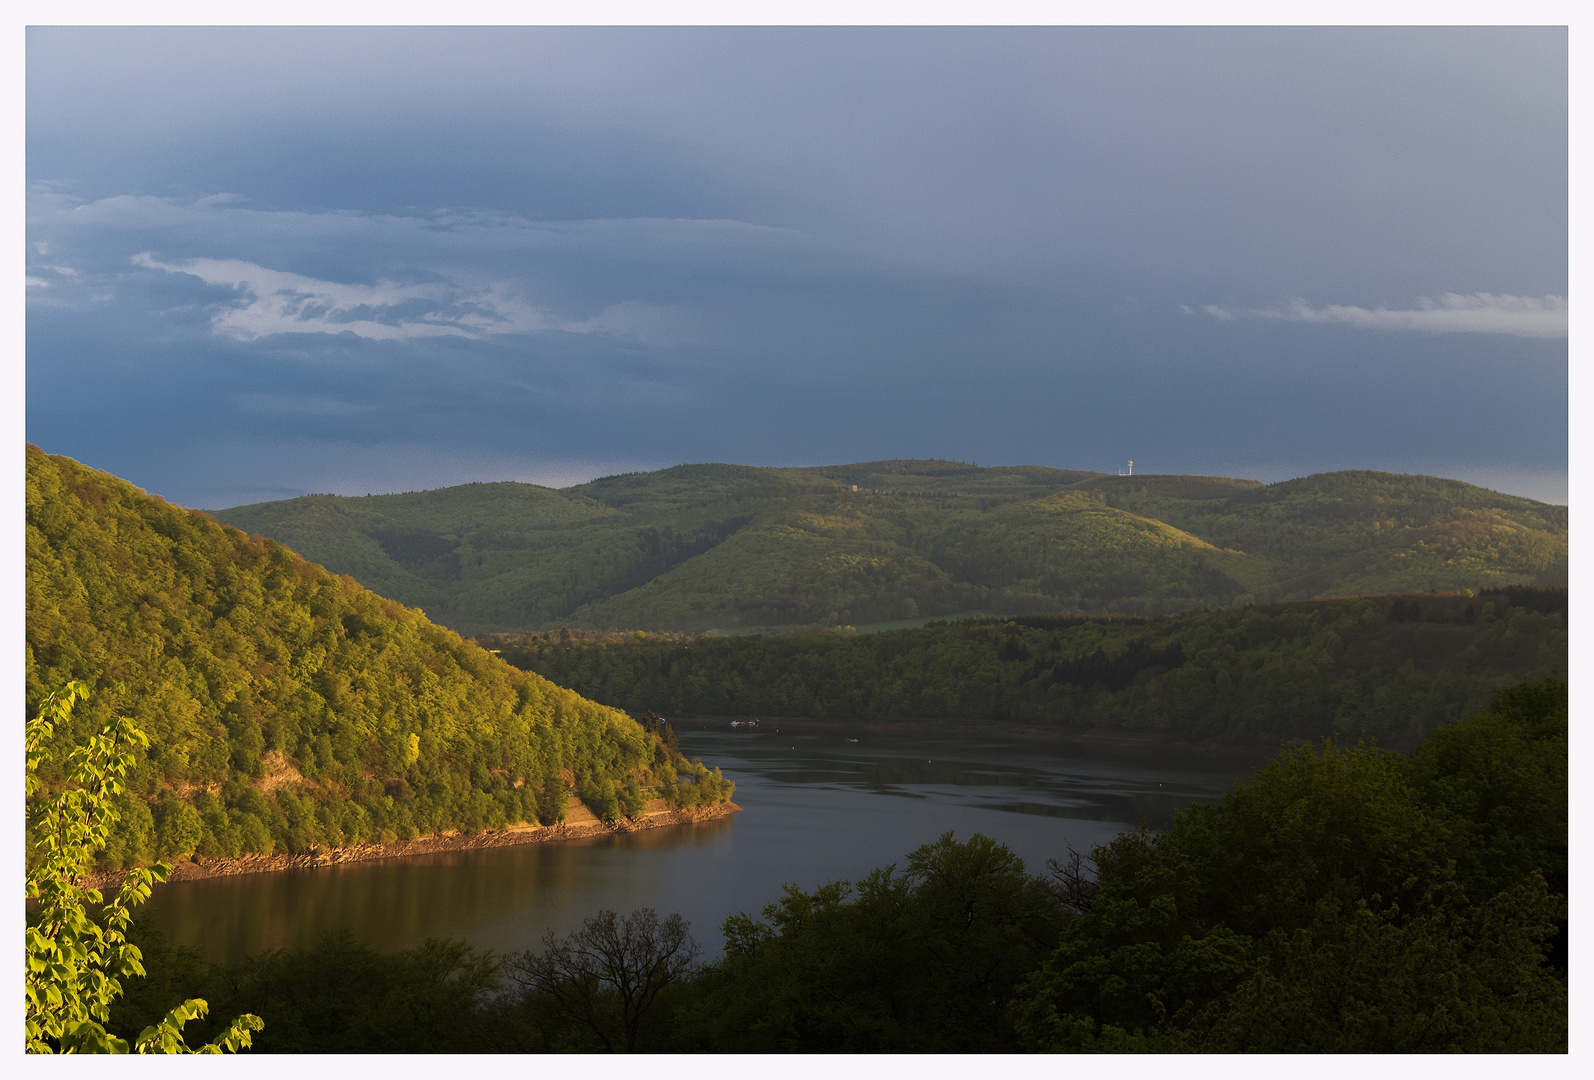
<point x="1340" y="900"/>
<point x="1386" y="667"/>
<point x="289" y="709"/>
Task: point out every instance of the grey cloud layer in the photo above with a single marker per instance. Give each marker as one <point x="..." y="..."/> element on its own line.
<point x="1407" y="161"/>
<point x="362" y="254"/>
<point x="391" y="278"/>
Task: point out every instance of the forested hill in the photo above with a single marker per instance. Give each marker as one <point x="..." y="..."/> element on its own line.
<point x="289" y="709"/>
<point x="725" y="546"/>
<point x="1391" y="667"/>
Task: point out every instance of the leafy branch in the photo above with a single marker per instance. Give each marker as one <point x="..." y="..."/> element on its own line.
<point x="75" y="963"/>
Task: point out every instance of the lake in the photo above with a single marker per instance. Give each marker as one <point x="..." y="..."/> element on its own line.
<point x="818" y="806"/>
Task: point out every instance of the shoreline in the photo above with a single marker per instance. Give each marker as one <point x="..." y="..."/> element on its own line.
<point x="580" y="823"/>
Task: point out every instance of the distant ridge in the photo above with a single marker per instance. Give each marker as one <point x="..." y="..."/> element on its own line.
<point x="735" y="547"/>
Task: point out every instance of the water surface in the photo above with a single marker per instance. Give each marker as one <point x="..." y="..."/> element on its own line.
<point x="817" y="807"/>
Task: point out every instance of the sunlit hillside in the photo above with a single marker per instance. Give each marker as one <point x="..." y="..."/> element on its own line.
<point x="733" y="547"/>
<point x="289" y="709"/>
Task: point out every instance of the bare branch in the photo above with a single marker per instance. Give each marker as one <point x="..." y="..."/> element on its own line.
<point x="606" y="976"/>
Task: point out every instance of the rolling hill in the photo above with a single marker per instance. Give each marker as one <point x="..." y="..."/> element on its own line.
<point x="734" y="547"/>
<point x="289" y="709"/>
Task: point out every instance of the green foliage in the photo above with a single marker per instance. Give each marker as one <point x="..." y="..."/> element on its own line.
<point x="341" y="995"/>
<point x="1385" y="667"/>
<point x="600" y="797"/>
<point x="551" y="800"/>
<point x="723" y="546"/>
<point x="1500" y="780"/>
<point x="288" y="710"/>
<point x="920" y="962"/>
<point x="1318" y="908"/>
<point x="1367" y="532"/>
<point x="632" y="801"/>
<point x="336" y="996"/>
<point x="1451" y="976"/>
<point x="74" y="962"/>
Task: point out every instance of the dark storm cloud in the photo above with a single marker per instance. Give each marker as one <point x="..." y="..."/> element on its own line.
<point x="361" y="260"/>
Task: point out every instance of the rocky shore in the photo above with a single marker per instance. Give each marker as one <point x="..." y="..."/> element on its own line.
<point x="579" y="822"/>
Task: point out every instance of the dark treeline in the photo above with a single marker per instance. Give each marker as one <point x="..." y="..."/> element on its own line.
<point x="1391" y="668"/>
<point x="1339" y="900"/>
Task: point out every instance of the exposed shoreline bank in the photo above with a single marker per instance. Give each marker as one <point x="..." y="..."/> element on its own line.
<point x="579" y="823"/>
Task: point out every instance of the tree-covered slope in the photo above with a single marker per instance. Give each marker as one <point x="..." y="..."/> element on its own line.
<point x="727" y="546"/>
<point x="1388" y="667"/>
<point x="289" y="708"/>
<point x="1350" y="533"/>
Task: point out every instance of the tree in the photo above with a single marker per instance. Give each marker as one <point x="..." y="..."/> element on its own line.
<point x="74" y="962"/>
<point x="922" y="961"/>
<point x="605" y="977"/>
<point x="1337" y="901"/>
<point x="342" y="996"/>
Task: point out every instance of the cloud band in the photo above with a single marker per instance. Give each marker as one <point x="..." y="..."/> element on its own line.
<point x="1479" y="313"/>
<point x="279" y="302"/>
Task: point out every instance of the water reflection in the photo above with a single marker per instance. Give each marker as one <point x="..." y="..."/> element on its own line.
<point x="818" y="807"/>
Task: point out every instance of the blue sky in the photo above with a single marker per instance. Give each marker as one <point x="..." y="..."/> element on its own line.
<point x="264" y="262"/>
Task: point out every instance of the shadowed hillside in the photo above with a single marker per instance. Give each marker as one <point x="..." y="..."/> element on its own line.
<point x="1388" y="667"/>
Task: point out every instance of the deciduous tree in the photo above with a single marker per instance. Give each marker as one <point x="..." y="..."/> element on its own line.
<point x="605" y="977"/>
<point x="74" y="961"/>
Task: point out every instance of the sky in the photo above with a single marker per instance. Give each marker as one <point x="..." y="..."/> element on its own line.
<point x="265" y="262"/>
